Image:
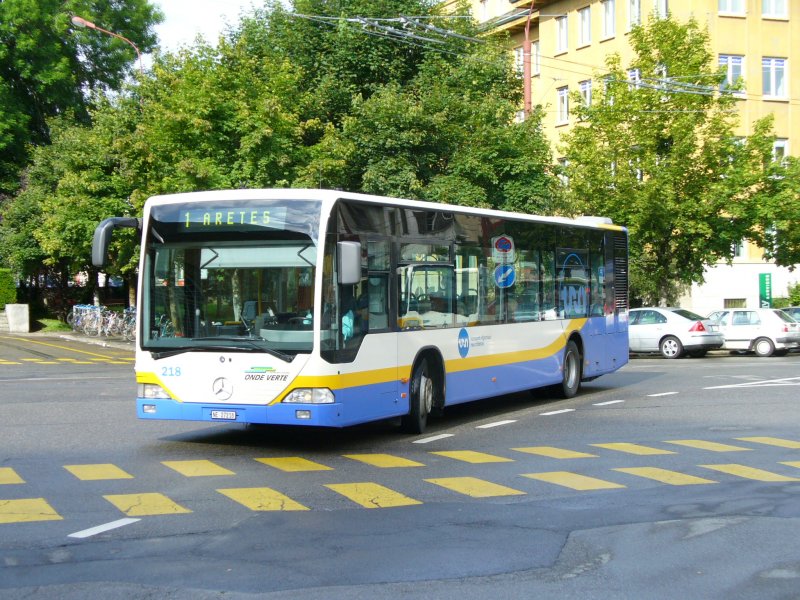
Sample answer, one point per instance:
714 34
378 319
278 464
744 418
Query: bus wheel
571 382
421 392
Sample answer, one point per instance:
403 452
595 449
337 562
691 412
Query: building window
774 9
731 7
536 57
561 34
586 92
609 18
585 21
662 9
519 117
737 250
562 114
634 13
773 72
780 150
734 303
519 60
733 69
563 163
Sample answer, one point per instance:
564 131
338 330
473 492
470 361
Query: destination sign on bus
274 217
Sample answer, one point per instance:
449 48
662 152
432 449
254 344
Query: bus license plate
227 415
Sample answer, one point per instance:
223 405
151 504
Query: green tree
49 67
659 155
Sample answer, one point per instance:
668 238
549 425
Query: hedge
8 288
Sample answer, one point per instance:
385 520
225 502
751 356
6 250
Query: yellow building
752 39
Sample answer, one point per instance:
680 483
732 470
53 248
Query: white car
672 331
765 331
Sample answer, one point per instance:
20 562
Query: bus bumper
325 415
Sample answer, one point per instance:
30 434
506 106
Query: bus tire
571 381
420 398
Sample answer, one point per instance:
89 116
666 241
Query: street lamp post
81 22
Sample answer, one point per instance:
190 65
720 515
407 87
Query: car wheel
763 347
671 347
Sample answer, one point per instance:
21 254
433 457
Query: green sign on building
765 290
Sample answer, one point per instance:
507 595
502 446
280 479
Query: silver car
765 331
673 332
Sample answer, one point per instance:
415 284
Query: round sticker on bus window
463 343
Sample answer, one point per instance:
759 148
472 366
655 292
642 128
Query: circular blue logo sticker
463 343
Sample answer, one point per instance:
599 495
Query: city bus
328 308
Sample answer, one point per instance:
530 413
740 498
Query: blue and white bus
319 307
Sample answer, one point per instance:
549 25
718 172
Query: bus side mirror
349 258
102 237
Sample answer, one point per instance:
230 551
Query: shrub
8 288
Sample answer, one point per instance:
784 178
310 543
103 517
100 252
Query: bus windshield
238 286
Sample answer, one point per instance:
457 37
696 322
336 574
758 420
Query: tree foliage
660 156
49 67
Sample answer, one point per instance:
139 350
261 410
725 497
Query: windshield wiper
252 346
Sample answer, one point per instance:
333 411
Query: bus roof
331 196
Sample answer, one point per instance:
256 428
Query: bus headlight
310 396
152 391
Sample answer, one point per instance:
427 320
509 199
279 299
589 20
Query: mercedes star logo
222 388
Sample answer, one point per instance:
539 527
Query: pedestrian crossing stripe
384 461
633 449
262 499
574 481
474 487
551 452
197 468
9 476
472 457
145 505
749 472
27 510
772 441
665 476
294 464
711 446
372 495
97 472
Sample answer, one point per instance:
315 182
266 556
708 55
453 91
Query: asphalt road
667 479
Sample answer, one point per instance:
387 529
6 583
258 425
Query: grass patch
49 326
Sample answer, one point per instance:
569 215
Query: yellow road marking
262 499
61 347
372 495
792 463
574 481
9 362
97 472
9 475
665 476
293 464
633 449
196 468
476 458
712 446
384 461
142 505
552 452
474 487
749 472
27 510
771 441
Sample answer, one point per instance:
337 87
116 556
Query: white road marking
607 403
661 394
556 412
102 528
496 424
434 438
762 383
